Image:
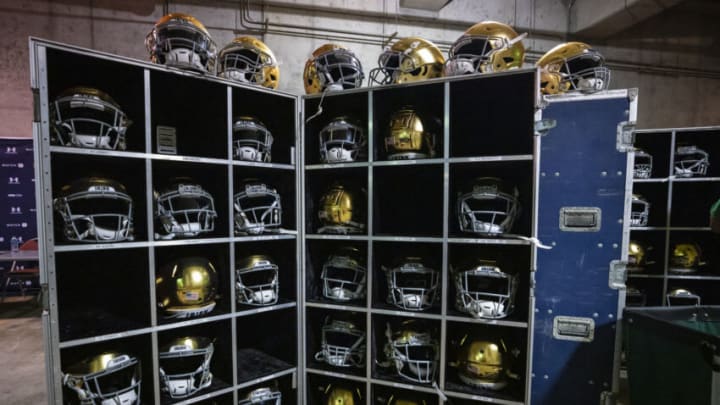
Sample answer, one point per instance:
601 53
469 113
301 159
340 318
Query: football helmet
488 207
639 211
257 208
393 400
341 140
635 297
685 258
263 396
108 378
411 285
251 140
573 67
181 41
483 363
249 60
691 161
483 290
408 136
95 210
185 366
485 47
681 297
408 60
341 395
256 281
183 209
86 117
340 211
342 344
413 351
642 167
343 275
332 67
637 256
186 287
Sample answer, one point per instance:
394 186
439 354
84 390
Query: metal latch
618 274
542 127
625 136
574 328
580 219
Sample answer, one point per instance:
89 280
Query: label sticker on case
166 138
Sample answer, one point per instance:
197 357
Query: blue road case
582 190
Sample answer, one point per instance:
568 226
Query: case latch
574 328
618 274
625 136
542 127
580 219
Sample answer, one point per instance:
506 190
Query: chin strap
535 241
320 109
440 393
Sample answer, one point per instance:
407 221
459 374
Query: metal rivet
620 221
591 382
549 311
600 245
615 245
542 174
603 173
619 173
553 243
610 316
557 174
595 314
546 376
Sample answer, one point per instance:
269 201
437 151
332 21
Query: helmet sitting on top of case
332 67
249 60
181 41
487 46
107 378
185 366
95 210
573 67
408 60
86 117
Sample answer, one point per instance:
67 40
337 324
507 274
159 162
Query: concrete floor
22 357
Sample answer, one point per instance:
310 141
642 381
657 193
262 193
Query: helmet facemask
341 141
118 382
691 161
185 210
485 292
262 396
414 355
185 370
244 65
412 286
634 297
339 69
98 214
487 210
343 279
342 344
478 54
639 211
87 121
584 73
180 43
257 209
251 141
258 285
642 167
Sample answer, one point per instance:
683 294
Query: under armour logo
13 180
15 210
10 150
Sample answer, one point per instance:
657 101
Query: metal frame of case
144 160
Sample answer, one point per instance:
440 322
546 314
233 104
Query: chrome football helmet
639 211
411 285
691 161
343 275
183 209
109 378
180 40
573 67
249 60
483 290
341 211
485 47
413 351
341 140
642 167
86 117
342 344
488 207
682 297
263 396
256 281
257 208
251 140
185 366
408 60
332 67
186 288
95 210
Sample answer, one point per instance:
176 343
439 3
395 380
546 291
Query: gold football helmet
408 60
185 366
573 67
394 400
332 67
249 60
180 40
340 395
186 287
408 136
483 363
340 211
413 351
485 47
685 258
637 256
107 378
256 280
